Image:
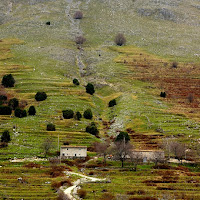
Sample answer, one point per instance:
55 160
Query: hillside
44 57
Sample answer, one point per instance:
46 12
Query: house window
67 149
63 154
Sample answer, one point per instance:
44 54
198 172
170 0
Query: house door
144 159
75 155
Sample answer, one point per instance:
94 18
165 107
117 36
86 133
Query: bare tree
190 98
122 150
102 148
120 39
158 157
78 15
47 145
178 149
80 40
136 158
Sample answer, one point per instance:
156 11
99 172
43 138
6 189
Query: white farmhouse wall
73 151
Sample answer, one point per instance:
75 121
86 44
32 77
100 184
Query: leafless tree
120 39
78 15
102 148
80 40
136 158
122 150
47 145
158 157
190 98
178 149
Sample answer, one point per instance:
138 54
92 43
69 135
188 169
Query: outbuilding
67 151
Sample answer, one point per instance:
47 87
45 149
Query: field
45 58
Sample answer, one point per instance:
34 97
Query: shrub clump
121 136
163 94
80 40
3 99
40 96
112 103
78 15
48 23
92 129
8 81
31 110
78 115
13 103
88 114
51 127
174 65
75 81
82 193
120 39
68 114
5 110
90 88
5 136
20 113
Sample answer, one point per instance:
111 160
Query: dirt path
71 192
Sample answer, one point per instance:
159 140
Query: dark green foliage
112 103
163 94
68 114
76 82
48 23
8 80
92 129
5 136
5 110
90 88
31 110
88 114
121 136
40 96
120 39
78 115
20 113
13 103
3 99
51 127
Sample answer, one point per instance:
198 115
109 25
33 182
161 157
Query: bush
5 136
13 103
3 98
48 23
88 114
78 15
163 94
78 115
40 96
8 81
92 129
112 103
20 113
81 193
5 110
174 65
31 110
51 127
120 39
122 135
80 40
90 88
68 114
76 82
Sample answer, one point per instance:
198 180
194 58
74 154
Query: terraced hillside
46 58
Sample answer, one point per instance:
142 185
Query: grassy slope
47 60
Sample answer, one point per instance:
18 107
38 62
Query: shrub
82 193
120 39
90 88
80 40
163 94
13 103
76 82
112 103
51 127
174 65
3 144
92 129
8 81
88 114
3 98
40 96
48 23
31 110
20 113
5 136
68 114
78 15
78 115
122 135
5 110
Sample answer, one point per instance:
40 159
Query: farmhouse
149 155
67 151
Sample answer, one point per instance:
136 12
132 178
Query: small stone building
149 155
67 151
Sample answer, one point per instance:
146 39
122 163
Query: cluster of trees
92 129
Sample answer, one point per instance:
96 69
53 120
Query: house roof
68 146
